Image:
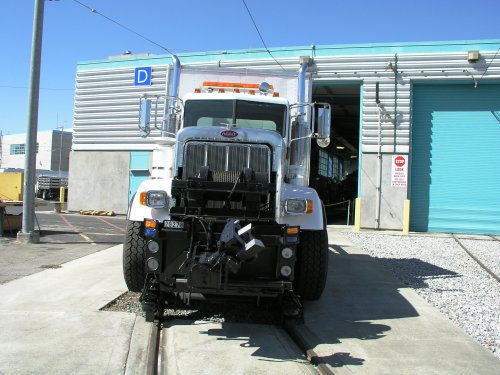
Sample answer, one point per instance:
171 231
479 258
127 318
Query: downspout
379 158
395 99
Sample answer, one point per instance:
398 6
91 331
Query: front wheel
134 257
312 264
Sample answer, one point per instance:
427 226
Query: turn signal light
150 223
292 231
142 198
310 206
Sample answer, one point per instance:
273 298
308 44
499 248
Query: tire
312 264
134 257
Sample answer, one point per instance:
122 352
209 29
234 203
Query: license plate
173 224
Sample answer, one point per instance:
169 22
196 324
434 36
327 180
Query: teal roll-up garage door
455 159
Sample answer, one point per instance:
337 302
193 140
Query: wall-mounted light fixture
473 56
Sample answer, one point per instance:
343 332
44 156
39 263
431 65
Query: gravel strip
487 251
228 312
440 271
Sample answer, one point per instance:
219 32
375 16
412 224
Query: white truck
228 211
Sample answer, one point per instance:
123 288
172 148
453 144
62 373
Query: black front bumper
192 259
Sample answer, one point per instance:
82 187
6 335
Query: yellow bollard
62 194
406 217
357 215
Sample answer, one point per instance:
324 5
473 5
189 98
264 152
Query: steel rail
153 354
481 264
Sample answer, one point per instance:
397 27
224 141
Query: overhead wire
41 88
93 10
260 35
493 59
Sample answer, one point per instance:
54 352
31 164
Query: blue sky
72 33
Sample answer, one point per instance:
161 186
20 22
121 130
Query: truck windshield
243 113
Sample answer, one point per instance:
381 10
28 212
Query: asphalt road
63 237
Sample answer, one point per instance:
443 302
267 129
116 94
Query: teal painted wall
296 51
139 170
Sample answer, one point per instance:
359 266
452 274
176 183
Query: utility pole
61 131
27 233
1 149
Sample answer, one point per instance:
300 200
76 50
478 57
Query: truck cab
231 214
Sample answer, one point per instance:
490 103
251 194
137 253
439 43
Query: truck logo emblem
229 133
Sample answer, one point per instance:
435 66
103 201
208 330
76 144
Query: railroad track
476 259
298 333
153 354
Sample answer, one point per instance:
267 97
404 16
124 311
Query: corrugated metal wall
455 155
106 101
107 109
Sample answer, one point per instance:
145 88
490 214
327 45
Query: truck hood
233 134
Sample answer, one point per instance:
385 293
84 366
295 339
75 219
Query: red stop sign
399 161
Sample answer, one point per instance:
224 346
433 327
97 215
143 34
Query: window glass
245 114
329 165
17 149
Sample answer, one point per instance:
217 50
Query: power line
41 88
93 10
260 35
496 53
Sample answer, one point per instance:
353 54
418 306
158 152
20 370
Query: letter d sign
142 76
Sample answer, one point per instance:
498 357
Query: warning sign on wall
399 171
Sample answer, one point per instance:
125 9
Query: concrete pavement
230 348
50 321
366 323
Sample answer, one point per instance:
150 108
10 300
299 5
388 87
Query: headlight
286 253
157 199
153 264
286 271
153 246
298 206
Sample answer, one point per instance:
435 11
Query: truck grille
226 160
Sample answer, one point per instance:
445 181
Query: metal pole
348 211
27 233
61 129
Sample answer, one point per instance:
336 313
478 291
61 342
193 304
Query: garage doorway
334 169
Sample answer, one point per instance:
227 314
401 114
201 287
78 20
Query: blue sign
142 76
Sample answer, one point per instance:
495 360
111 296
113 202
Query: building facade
52 152
415 127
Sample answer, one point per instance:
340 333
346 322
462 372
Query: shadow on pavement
360 292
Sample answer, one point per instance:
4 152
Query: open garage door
334 169
455 159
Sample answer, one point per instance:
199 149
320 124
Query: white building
411 122
52 156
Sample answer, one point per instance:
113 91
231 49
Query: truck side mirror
323 127
145 117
